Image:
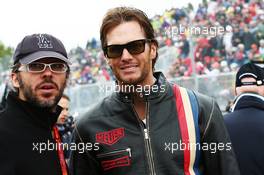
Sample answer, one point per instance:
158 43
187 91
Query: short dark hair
15 67
119 15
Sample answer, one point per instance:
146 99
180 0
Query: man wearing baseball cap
250 78
245 123
30 143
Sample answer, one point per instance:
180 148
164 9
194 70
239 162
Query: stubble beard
137 81
32 97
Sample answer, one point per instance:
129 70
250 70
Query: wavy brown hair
119 15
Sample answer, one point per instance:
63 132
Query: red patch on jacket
110 137
119 162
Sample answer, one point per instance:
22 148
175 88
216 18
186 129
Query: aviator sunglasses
133 47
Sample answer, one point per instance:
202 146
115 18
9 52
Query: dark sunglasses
133 47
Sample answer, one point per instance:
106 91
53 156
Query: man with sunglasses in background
148 124
245 122
30 142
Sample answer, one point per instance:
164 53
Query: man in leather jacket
246 119
28 144
137 130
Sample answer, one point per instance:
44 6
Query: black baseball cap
250 70
38 46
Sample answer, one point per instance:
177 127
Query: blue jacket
246 129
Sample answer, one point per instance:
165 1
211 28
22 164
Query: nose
126 55
47 72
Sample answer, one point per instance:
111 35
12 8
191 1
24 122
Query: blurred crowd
242 40
89 65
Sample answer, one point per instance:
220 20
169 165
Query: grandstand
197 47
213 52
214 55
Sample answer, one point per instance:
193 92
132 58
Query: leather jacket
120 143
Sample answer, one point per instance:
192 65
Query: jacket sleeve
217 155
81 160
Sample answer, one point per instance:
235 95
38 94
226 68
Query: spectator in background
240 55
227 38
65 123
64 103
230 55
249 38
175 70
254 52
237 37
184 47
245 123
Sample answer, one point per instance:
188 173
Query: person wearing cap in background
29 142
245 122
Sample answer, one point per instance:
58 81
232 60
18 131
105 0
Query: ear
14 79
153 51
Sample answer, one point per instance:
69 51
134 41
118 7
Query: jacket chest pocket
115 159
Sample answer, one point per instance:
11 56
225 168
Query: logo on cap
43 41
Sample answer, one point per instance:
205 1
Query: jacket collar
41 116
247 100
155 91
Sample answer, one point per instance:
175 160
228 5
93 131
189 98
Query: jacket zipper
147 140
113 153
